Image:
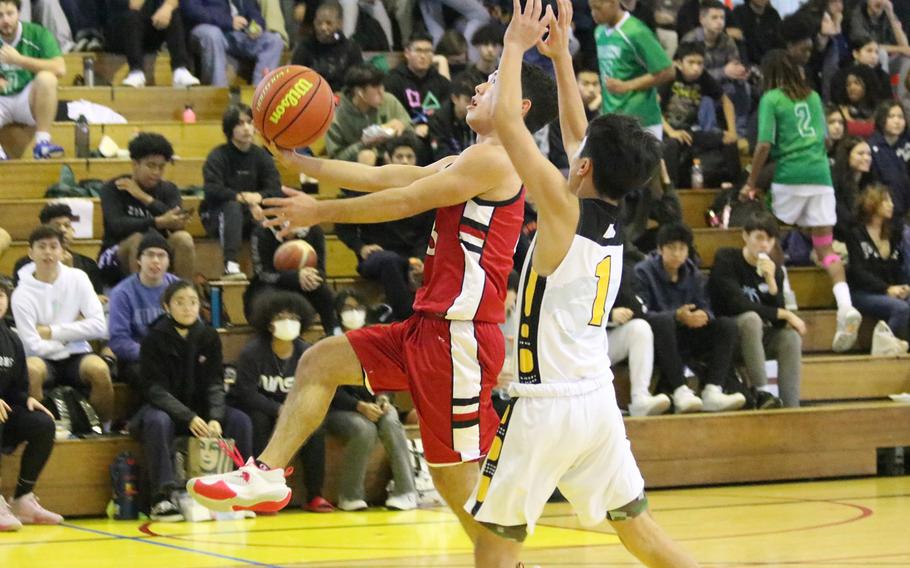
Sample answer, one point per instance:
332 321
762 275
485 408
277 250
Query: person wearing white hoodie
57 313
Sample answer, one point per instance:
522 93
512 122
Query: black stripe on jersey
465 401
599 222
471 247
475 224
492 460
465 423
531 299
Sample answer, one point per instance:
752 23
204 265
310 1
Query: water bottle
88 71
216 306
189 116
125 482
698 178
83 142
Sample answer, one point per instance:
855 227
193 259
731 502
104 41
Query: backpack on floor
74 413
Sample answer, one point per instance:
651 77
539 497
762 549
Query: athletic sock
42 136
842 296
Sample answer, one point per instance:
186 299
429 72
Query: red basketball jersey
469 257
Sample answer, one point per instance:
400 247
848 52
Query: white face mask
286 329
353 319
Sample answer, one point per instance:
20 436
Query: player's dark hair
175 287
676 232
624 156
147 144
231 118
883 110
709 5
491 34
362 75
54 210
42 232
539 88
798 27
418 36
688 48
779 71
269 304
762 221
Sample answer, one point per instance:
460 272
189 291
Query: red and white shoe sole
217 499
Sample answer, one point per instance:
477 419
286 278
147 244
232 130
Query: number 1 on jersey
603 287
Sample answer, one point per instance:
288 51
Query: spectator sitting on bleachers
830 44
673 290
132 204
876 19
57 313
855 89
417 84
629 336
311 282
472 13
30 66
219 28
136 303
391 252
451 54
488 42
852 173
50 15
722 59
358 418
449 130
891 154
135 27
866 52
688 18
22 419
589 88
760 24
364 105
237 176
60 216
689 105
85 19
745 284
327 50
265 376
837 128
876 273
181 385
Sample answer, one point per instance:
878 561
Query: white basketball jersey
563 317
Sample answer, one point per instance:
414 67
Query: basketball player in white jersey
563 427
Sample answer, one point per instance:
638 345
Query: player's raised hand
527 27
557 42
292 213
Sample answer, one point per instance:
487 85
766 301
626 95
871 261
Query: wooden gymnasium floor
857 522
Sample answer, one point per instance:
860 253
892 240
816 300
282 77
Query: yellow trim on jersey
530 288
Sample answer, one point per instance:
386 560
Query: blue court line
171 546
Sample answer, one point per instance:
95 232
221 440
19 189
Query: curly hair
269 304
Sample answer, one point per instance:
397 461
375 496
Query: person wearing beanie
237 176
136 303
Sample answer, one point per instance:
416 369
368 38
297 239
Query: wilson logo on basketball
265 88
301 88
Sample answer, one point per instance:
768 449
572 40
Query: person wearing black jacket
310 282
237 176
875 273
390 252
449 131
747 285
417 84
265 376
133 204
327 51
359 418
23 419
760 25
182 387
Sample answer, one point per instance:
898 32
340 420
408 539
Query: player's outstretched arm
355 176
476 171
558 210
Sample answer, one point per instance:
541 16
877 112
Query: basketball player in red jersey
449 353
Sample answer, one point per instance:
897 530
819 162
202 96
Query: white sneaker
352 504
183 78
848 322
8 521
405 502
715 400
246 489
232 271
134 79
884 342
685 401
649 405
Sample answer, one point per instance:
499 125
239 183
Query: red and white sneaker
246 489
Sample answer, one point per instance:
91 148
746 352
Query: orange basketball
293 106
294 255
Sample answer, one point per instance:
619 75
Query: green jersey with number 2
796 131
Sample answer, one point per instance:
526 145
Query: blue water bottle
125 484
216 306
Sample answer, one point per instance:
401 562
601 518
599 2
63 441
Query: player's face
835 126
489 53
9 19
674 255
588 86
800 51
606 11
758 242
148 171
480 110
692 66
861 158
65 226
153 263
895 124
404 155
856 89
46 252
325 25
243 131
419 56
184 306
713 21
867 54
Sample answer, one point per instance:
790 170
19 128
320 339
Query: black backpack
71 408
